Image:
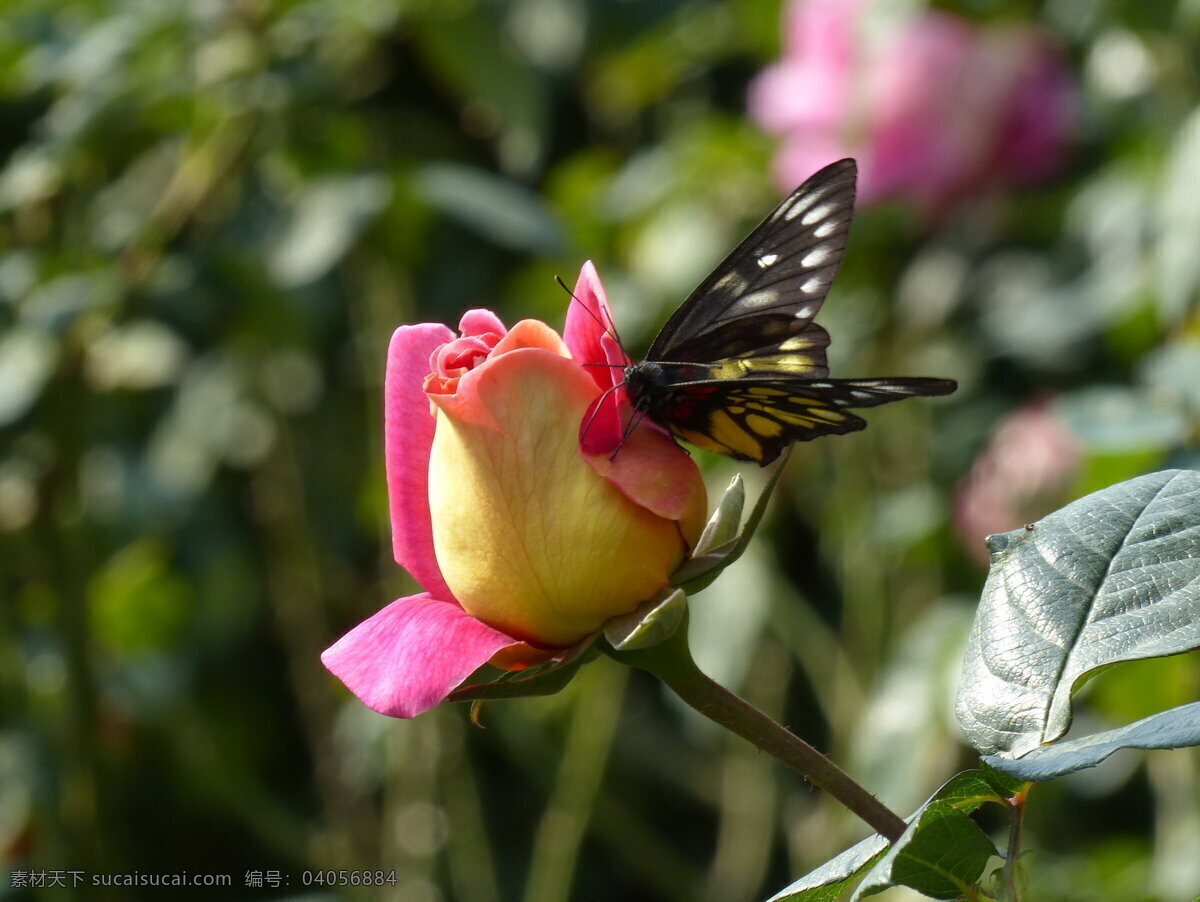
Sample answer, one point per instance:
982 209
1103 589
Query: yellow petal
529 537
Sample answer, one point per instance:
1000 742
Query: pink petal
408 435
591 337
826 29
480 321
531 539
803 154
530 333
601 430
653 471
1043 111
589 321
408 657
813 87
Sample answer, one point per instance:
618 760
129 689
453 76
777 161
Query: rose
933 107
524 540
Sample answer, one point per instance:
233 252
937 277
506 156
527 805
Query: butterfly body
674 395
740 367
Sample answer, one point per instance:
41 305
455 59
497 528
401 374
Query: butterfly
740 367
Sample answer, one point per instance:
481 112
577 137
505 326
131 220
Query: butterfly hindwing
755 419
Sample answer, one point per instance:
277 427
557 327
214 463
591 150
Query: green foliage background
212 216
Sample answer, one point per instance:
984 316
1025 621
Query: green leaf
1112 577
1113 419
901 733
651 623
1173 372
971 789
27 360
503 97
830 880
501 210
1006 786
941 854
1178 270
328 215
1177 728
937 850
137 604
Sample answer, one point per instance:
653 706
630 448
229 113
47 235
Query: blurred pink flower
1021 476
522 539
934 108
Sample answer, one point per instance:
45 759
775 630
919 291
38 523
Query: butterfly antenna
600 403
634 421
610 327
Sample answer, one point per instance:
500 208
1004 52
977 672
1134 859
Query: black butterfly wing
771 285
755 419
740 367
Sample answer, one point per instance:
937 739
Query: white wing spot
758 299
813 285
815 257
817 213
796 211
731 281
767 260
825 229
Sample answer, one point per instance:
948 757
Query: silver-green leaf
1112 577
1174 729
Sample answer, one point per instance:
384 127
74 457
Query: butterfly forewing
772 284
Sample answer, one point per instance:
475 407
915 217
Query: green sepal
703 567
725 522
543 679
651 623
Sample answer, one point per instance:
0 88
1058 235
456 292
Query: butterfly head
643 382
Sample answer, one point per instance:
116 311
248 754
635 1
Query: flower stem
1011 877
671 661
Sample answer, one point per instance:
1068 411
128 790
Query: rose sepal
541 679
720 544
653 621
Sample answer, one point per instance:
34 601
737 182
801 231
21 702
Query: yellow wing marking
790 359
761 425
700 440
726 430
810 414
